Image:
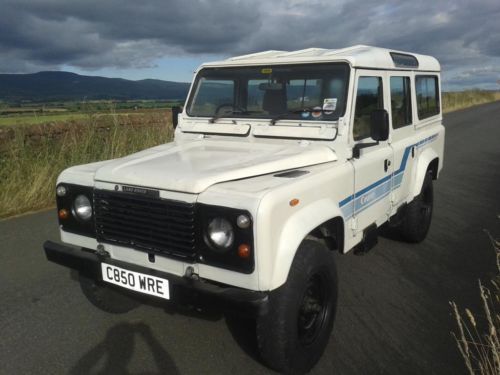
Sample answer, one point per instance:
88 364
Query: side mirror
175 115
379 131
379 125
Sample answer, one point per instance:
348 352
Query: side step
370 239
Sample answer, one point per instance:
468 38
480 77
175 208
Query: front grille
145 223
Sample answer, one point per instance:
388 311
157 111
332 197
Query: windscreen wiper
245 112
281 116
213 119
238 112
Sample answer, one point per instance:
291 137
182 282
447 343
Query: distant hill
52 86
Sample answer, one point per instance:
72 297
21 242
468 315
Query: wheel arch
331 233
428 161
433 167
321 221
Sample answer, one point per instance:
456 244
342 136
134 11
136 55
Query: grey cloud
89 34
92 34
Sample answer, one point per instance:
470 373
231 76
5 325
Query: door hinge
354 223
393 197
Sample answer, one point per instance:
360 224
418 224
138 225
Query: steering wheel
232 105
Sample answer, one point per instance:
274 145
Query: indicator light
244 251
63 214
243 221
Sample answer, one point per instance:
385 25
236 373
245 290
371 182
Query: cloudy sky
168 39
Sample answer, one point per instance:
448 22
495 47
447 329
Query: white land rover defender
279 160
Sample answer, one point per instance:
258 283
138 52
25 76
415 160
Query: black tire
418 216
293 335
105 297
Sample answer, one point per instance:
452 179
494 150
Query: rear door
373 169
402 135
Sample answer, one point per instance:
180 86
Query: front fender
294 231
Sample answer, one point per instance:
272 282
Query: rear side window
400 102
427 96
368 98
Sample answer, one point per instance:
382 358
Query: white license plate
139 282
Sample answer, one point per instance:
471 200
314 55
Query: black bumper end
182 289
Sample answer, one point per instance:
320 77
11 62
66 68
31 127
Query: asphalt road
393 317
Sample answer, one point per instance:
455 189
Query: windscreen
298 92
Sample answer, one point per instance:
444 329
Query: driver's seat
274 102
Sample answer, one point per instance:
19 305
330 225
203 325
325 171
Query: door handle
387 164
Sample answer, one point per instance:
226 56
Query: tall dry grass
453 101
29 167
478 338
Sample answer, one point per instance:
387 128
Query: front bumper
182 289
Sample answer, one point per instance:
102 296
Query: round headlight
221 233
61 191
82 207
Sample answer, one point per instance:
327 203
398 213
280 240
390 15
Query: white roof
357 56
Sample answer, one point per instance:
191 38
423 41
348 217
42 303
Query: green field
62 117
59 112
33 119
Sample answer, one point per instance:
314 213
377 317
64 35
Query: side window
368 98
400 102
427 96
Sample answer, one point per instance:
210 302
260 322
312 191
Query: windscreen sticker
305 114
317 112
329 105
266 70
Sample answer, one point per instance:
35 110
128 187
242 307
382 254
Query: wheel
418 215
106 298
296 330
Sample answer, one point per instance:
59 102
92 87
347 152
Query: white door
373 168
402 138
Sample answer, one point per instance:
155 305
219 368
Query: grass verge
29 168
453 101
478 337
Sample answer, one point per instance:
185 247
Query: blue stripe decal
345 201
372 186
404 160
373 193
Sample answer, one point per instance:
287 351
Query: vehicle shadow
244 333
116 351
242 329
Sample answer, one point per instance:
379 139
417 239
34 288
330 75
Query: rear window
427 89
400 102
